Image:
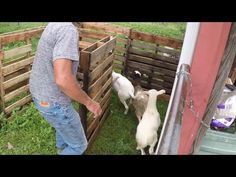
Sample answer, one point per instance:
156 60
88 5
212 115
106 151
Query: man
53 84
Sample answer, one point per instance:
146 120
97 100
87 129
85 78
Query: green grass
14 26
173 30
28 133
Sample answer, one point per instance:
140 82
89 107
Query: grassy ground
29 133
174 30
8 27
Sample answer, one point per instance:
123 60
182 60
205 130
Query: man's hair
78 24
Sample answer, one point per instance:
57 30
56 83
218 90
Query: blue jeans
70 136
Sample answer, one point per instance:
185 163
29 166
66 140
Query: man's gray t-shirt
59 40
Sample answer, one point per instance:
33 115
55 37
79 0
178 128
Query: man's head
78 24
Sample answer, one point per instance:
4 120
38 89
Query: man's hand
95 108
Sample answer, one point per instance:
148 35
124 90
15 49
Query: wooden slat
175 43
120 49
19 103
103 104
101 52
118 66
15 93
89 34
16 66
99 69
91 48
94 134
16 80
153 55
150 67
152 74
93 89
84 66
143 45
2 91
22 36
120 58
105 39
151 82
84 44
17 51
22 30
169 51
95 123
153 62
147 85
122 40
101 91
107 27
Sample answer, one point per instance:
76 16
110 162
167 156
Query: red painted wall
207 56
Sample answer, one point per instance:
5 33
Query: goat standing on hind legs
147 129
124 88
141 97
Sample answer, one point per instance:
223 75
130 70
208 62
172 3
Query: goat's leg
151 149
142 152
124 103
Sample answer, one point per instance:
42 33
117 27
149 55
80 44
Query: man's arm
68 84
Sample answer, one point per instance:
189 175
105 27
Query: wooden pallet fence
156 57
96 65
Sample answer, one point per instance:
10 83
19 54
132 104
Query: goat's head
154 92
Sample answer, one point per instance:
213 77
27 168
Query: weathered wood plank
95 132
84 66
17 51
2 91
120 49
99 69
143 45
153 55
90 34
93 89
16 80
101 52
122 40
19 103
152 61
118 66
171 42
84 44
150 67
150 73
22 36
169 51
107 27
120 58
15 93
16 66
101 91
104 105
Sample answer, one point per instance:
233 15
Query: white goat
141 97
124 88
147 129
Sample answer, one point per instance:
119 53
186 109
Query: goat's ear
161 92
